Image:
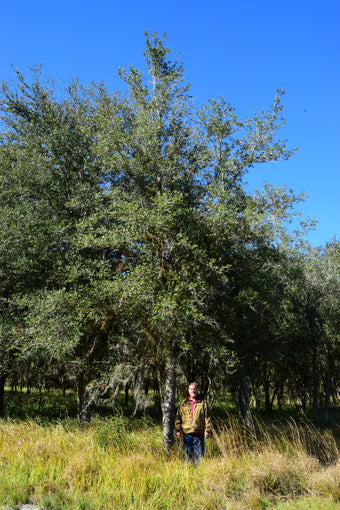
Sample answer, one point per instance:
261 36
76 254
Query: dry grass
110 465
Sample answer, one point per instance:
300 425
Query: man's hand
178 434
206 435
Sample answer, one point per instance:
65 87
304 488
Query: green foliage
131 249
44 404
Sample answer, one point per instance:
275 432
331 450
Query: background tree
50 176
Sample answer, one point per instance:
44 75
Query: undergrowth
118 463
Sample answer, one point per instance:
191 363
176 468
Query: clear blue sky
243 50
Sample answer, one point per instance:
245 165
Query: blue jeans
194 447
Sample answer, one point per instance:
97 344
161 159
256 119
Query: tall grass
118 464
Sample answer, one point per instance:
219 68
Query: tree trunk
327 396
300 400
256 396
168 407
83 405
126 394
280 395
241 398
158 406
268 404
311 319
315 383
2 392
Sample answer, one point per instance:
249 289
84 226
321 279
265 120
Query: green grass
311 503
119 463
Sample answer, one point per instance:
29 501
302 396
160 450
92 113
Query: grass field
118 463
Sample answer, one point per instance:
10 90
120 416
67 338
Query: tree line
132 256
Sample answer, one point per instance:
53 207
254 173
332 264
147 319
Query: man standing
193 420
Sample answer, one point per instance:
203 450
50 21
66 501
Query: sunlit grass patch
279 475
327 482
308 503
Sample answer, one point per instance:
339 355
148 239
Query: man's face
192 391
